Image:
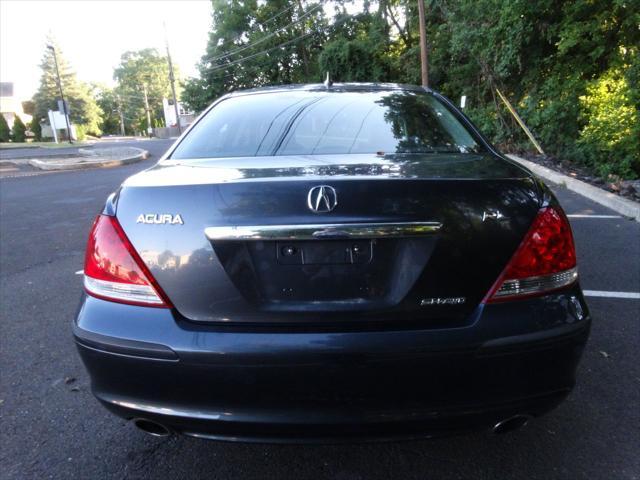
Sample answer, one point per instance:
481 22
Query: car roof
335 87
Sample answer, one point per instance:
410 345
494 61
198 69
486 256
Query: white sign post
58 121
52 122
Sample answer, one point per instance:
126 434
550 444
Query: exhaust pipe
510 424
152 428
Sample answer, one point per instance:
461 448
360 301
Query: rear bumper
266 385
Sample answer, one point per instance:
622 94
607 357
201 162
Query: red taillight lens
544 261
114 271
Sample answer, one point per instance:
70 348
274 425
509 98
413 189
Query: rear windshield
321 123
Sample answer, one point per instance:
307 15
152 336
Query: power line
135 97
211 69
281 12
140 98
278 14
284 44
243 59
263 39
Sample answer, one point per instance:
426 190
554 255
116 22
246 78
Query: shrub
5 132
609 141
36 129
81 132
18 130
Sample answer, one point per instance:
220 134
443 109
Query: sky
92 34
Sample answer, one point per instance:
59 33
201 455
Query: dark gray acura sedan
325 263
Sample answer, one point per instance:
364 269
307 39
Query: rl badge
160 218
442 301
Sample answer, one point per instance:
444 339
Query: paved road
52 427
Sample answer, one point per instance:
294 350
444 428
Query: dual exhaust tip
504 426
510 424
152 428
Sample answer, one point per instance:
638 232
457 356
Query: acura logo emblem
322 199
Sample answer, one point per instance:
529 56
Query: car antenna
328 82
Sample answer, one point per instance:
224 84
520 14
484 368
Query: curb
12 161
623 206
19 147
35 157
85 162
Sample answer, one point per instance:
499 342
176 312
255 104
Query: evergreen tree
5 132
35 128
18 130
84 110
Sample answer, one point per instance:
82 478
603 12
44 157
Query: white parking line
580 215
600 293
80 272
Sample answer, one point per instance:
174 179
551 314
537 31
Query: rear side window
241 127
321 123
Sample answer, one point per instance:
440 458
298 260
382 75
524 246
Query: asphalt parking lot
51 426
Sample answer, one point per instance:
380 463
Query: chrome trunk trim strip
323 231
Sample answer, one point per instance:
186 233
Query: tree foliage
83 109
611 125
545 56
360 48
136 70
18 130
571 69
254 44
108 102
29 107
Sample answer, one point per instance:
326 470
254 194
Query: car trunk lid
412 238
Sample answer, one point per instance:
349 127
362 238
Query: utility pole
64 104
146 106
423 44
172 80
305 57
121 116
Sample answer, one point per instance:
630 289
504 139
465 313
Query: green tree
108 103
18 130
571 69
5 131
361 48
543 54
258 43
137 70
84 110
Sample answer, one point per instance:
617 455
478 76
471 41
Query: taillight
544 261
114 271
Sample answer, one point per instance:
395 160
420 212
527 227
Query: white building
186 117
10 106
